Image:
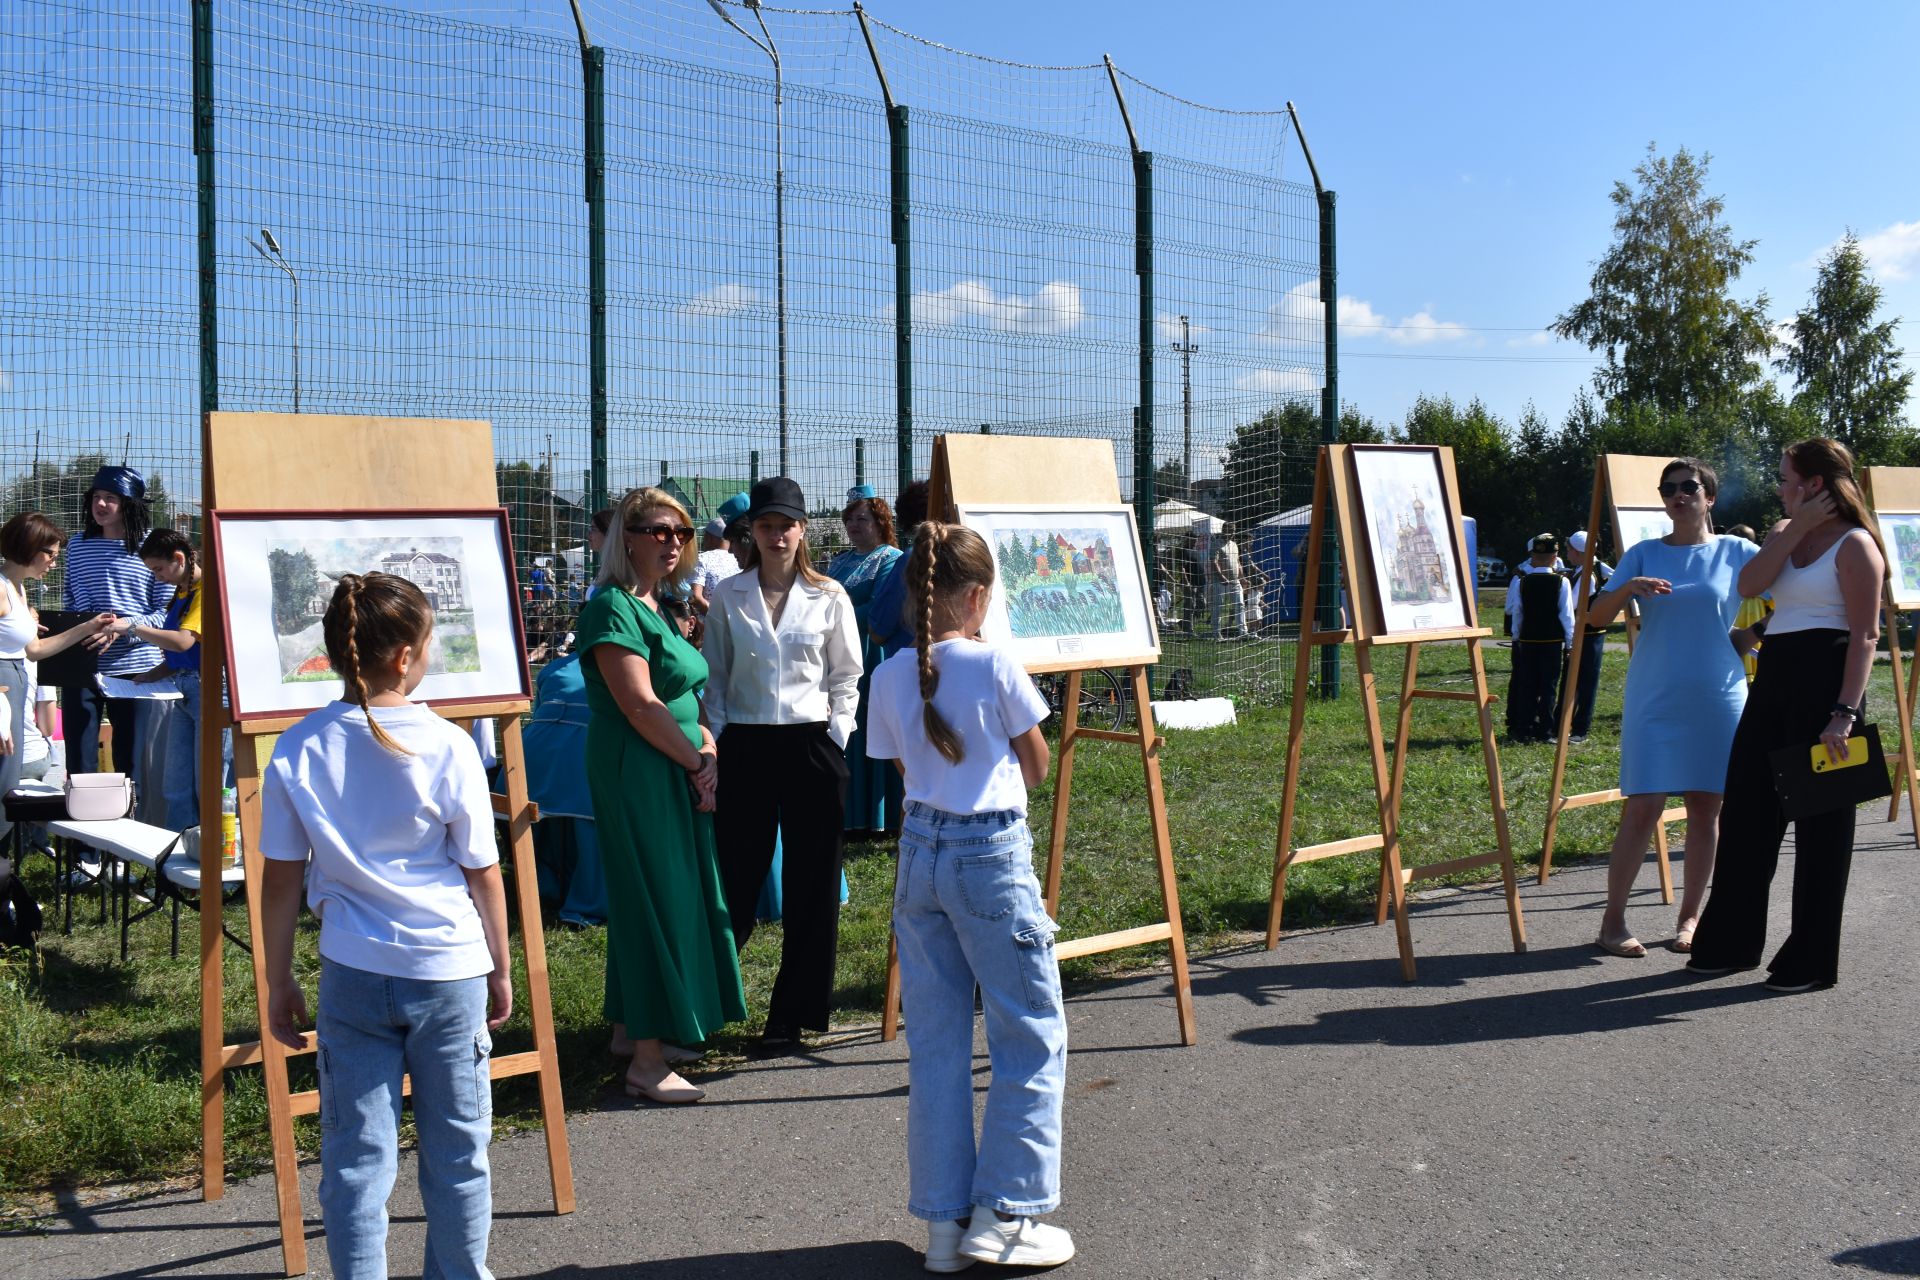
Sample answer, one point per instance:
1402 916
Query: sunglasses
1670 487
661 532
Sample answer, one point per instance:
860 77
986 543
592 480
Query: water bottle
229 827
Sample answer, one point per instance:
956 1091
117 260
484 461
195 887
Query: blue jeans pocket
988 884
323 1064
1039 970
479 1104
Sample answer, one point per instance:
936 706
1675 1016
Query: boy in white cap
1540 605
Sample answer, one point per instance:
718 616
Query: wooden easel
1637 475
1006 470
1335 492
313 461
1896 490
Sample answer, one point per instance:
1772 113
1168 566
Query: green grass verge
99 1060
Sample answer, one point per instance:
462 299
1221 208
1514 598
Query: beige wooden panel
324 461
1062 471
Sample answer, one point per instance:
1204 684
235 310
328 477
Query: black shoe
1699 970
779 1038
1792 988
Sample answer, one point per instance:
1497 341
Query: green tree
294 580
1482 458
1845 364
1659 304
1170 481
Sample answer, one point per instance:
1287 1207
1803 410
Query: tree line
1683 372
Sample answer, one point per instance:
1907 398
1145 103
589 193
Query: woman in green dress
673 977
869 527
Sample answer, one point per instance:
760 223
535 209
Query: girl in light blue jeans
961 719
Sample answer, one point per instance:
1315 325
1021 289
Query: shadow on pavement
862 1259
1894 1258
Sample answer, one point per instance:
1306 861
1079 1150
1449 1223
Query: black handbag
1809 783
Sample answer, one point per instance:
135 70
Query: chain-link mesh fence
403 228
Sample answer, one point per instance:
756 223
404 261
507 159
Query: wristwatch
1842 709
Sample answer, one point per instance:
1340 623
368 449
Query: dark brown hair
882 517
1708 480
370 619
603 520
947 561
27 535
165 544
135 519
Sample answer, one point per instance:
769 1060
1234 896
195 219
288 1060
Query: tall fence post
859 461
203 155
900 230
753 467
593 64
1329 434
1143 495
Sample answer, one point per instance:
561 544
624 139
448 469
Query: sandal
664 1092
1628 947
1683 938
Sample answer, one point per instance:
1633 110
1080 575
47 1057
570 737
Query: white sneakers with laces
943 1248
1014 1242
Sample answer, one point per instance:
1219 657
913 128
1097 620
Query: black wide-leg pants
1789 705
789 780
1536 672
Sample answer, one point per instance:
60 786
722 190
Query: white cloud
721 300
1278 381
1053 308
1894 251
1297 317
1539 338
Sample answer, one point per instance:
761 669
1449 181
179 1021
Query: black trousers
1593 649
1788 706
789 779
1536 674
81 711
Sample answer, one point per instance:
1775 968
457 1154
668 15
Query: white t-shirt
988 700
35 748
389 835
715 567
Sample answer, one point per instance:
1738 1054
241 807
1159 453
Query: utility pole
1186 348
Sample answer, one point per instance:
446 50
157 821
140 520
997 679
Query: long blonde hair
948 560
615 568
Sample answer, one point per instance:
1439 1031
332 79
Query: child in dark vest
1540 609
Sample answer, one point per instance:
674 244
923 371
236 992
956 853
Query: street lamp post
768 47
279 260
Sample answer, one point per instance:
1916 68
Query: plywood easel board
1896 491
1064 472
313 462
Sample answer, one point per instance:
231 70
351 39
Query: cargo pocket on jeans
1039 970
476 1098
323 1067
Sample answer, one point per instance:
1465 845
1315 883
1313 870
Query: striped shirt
102 576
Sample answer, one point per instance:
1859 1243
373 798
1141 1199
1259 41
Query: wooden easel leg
1903 696
1661 859
213 1090
1063 789
1397 788
890 1007
1150 743
533 943
273 1055
1583 601
1389 829
1297 712
1497 793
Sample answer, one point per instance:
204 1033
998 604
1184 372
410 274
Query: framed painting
277 572
1408 518
1637 524
1071 585
1900 532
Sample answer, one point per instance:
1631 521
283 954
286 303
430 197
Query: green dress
672 972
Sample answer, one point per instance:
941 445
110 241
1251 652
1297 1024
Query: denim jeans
372 1029
967 912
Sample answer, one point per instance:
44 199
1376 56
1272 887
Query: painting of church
1420 572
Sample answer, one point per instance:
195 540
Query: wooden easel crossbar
261 461
1334 495
1007 469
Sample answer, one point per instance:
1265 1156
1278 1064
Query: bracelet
1842 709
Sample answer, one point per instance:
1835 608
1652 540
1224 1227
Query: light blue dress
1686 686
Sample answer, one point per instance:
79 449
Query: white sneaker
1016 1242
943 1248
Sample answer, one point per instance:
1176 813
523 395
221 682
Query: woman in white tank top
1825 567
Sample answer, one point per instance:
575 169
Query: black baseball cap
1543 542
776 496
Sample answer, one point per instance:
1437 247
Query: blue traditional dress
867 791
1686 686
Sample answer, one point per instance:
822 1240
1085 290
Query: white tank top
1809 599
18 626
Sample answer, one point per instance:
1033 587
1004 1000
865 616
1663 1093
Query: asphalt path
1557 1113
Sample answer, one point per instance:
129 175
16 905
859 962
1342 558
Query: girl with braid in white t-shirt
962 720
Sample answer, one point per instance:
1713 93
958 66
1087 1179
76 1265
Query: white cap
1578 541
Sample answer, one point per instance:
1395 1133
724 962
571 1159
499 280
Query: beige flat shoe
670 1090
1628 948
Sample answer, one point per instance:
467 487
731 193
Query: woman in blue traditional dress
869 526
1686 687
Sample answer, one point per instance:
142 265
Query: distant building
437 575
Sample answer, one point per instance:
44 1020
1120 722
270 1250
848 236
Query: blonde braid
927 542
350 592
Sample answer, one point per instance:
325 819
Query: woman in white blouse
784 654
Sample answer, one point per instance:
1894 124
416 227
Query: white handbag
99 797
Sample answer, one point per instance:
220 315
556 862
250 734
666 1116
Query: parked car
1490 569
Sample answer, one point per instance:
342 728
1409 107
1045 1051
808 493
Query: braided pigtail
384 614
921 578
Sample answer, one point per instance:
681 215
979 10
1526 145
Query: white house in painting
437 575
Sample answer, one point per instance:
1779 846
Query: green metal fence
645 259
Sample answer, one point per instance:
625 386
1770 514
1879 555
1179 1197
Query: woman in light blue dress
1686 687
869 526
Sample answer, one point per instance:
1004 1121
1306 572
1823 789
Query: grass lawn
99 1060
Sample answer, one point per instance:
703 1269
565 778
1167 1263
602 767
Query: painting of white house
280 573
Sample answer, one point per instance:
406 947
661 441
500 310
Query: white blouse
803 671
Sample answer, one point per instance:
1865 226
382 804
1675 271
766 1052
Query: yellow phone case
1856 754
